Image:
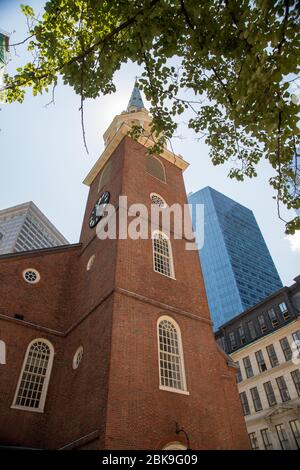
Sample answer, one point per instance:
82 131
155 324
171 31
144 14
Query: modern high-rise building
24 227
237 266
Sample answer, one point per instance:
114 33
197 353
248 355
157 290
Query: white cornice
118 137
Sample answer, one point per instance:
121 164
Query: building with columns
108 343
264 342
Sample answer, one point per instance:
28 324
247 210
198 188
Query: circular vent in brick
31 275
158 200
90 262
77 357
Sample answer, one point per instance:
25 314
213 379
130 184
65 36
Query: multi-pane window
253 441
170 355
256 399
296 379
284 310
239 377
284 392
296 338
34 378
245 404
272 355
286 349
270 393
295 428
232 340
262 323
273 317
162 256
248 367
241 333
282 436
251 329
265 434
260 361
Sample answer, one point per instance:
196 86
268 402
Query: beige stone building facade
271 397
264 342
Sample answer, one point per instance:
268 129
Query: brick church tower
108 343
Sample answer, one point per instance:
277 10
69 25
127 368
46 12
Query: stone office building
264 342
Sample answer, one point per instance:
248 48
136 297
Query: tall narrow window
265 434
295 428
239 377
34 378
284 310
162 254
155 168
286 349
296 379
273 317
262 323
260 361
252 329
232 340
253 441
270 393
296 338
272 355
256 399
245 403
282 436
242 334
284 392
171 368
248 367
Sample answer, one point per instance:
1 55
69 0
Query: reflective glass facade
25 227
237 266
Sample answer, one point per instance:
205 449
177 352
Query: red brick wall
115 389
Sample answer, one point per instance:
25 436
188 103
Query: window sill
173 278
173 390
24 408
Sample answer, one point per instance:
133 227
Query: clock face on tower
99 208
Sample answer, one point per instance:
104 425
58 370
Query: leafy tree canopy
239 57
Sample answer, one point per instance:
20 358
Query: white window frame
176 445
171 260
38 276
2 352
184 390
77 358
40 409
160 197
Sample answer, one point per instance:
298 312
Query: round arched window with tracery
158 200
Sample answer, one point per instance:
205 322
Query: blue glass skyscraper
237 266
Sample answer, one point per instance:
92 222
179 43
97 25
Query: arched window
155 168
171 366
34 378
162 254
104 175
174 446
2 352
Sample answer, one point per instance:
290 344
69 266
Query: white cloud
294 241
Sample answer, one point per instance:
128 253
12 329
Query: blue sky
43 158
